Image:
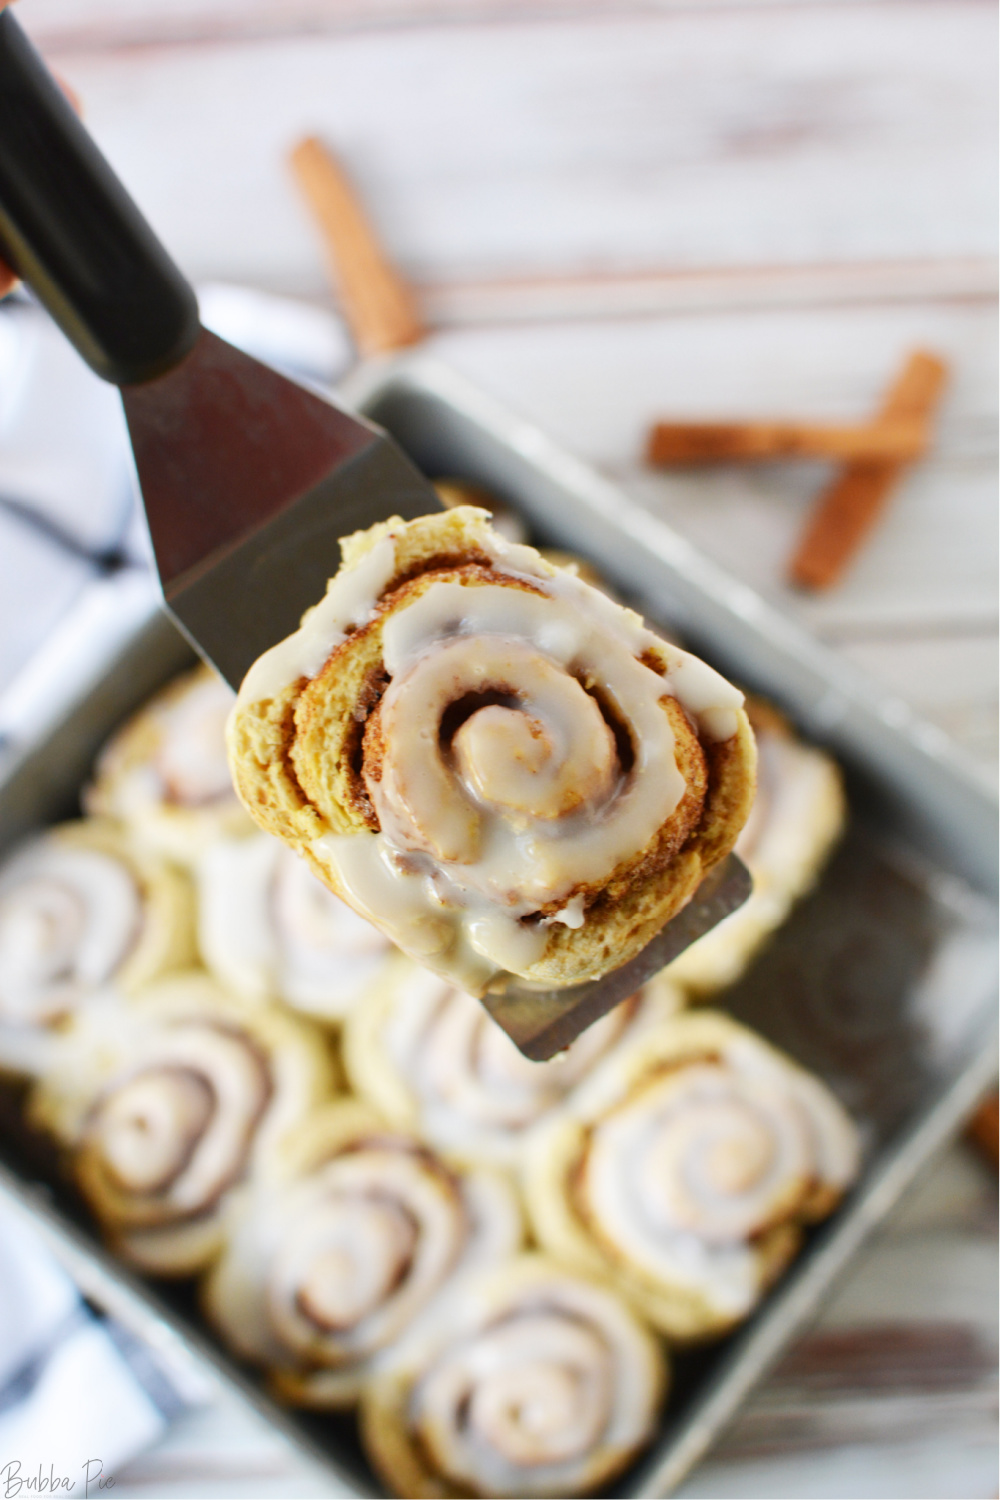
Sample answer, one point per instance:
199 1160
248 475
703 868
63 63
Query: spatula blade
249 481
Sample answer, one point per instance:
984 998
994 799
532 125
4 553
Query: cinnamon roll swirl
431 1057
80 909
797 816
169 1102
488 758
331 1263
538 1381
270 930
686 1168
165 774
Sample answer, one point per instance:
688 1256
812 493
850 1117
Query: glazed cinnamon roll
538 1381
270 930
165 774
331 1263
79 909
686 1168
501 768
431 1057
169 1102
796 819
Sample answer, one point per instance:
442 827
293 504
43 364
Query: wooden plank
946 1467
669 142
630 294
596 387
219 1450
124 23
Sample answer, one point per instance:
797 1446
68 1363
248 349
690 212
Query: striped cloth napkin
79 1394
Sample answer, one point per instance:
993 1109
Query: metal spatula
247 478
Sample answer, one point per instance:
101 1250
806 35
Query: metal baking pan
883 981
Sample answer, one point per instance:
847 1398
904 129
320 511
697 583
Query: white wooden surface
614 211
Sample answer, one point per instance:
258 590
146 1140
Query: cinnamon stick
377 303
983 1130
730 442
847 510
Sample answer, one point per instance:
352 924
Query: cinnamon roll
488 758
538 1381
169 1102
331 1263
270 930
796 819
685 1169
431 1057
79 909
455 492
165 774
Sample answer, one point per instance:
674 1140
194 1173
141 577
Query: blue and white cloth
80 1394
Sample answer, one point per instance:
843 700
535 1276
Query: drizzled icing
325 1269
166 1138
525 799
188 767
796 816
166 775
367 1241
68 918
475 1093
191 761
542 1384
349 600
269 928
687 1165
796 800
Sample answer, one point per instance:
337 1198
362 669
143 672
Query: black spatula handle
70 230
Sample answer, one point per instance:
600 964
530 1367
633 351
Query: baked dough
431 1057
490 759
797 817
685 1169
348 1250
81 908
537 1381
165 775
270 930
169 1100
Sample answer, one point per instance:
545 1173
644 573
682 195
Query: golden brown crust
135 784
425 1439
688 1298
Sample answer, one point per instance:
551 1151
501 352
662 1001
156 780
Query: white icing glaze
328 1271
475 1091
190 763
542 1385
367 1241
268 928
68 918
796 816
196 1096
527 801
350 599
794 783
689 1167
417 923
